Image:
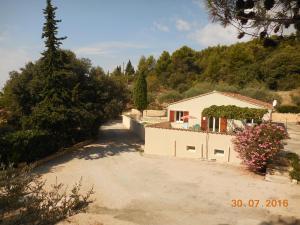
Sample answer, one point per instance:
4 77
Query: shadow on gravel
112 140
282 221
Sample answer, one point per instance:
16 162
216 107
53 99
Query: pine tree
129 71
140 92
52 42
257 18
117 71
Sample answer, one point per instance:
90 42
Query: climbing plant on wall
234 112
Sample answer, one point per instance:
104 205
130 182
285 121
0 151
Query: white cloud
183 25
12 59
200 3
106 48
215 34
3 36
161 27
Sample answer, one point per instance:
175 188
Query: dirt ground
132 188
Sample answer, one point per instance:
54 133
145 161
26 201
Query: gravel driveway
149 190
293 144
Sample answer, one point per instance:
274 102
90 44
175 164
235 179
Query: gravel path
150 190
293 144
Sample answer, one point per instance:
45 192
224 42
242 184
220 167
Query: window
190 148
219 152
179 114
211 123
217 124
214 124
249 121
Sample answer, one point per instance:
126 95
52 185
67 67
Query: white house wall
196 105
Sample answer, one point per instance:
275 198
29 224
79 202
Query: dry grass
286 96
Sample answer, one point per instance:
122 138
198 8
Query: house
192 108
213 140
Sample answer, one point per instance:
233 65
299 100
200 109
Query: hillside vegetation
248 68
242 65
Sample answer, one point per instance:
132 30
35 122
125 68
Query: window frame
214 124
178 113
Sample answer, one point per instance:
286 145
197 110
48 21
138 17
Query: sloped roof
233 95
248 99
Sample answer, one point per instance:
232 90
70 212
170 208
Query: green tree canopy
241 65
51 57
117 71
59 97
129 70
258 18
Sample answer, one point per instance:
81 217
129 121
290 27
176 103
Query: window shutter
223 127
172 116
186 113
204 123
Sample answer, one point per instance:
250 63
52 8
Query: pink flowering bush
259 144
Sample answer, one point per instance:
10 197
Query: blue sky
109 32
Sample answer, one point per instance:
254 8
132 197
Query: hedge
288 109
295 163
26 146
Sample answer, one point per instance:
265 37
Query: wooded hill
248 68
242 65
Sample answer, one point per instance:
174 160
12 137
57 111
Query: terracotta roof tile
233 95
248 99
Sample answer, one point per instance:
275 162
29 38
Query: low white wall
174 142
136 112
285 117
134 126
155 113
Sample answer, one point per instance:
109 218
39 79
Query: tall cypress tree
52 42
140 92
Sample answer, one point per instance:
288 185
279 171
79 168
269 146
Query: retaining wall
134 126
285 117
190 144
155 113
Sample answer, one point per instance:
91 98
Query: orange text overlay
255 203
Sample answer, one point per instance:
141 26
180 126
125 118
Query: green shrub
194 91
260 94
25 200
169 97
226 88
296 99
198 89
27 146
295 163
288 109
